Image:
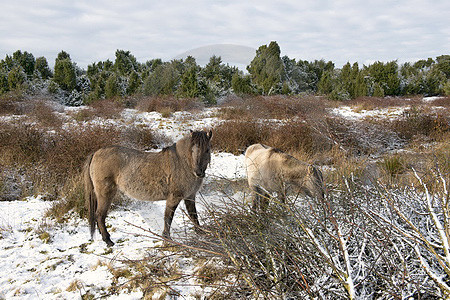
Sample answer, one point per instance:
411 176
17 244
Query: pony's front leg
192 212
171 205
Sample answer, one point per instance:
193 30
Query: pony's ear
209 134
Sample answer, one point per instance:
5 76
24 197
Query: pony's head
201 151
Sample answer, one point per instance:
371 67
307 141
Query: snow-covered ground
43 259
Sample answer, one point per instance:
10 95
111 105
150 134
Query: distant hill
234 55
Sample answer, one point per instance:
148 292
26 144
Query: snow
40 258
33 268
350 113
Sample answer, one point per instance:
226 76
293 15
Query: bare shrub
107 108
21 144
9 104
236 135
442 101
274 107
142 138
362 138
414 122
167 104
69 148
310 248
44 114
371 103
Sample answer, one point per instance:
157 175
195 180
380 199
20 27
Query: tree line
269 73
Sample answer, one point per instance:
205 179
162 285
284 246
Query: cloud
340 31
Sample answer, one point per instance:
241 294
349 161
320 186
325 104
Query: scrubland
381 232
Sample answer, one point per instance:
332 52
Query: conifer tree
65 73
267 69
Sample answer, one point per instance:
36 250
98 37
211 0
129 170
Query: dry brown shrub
371 103
414 123
442 101
274 107
167 104
9 105
107 108
21 144
142 138
71 147
236 135
44 114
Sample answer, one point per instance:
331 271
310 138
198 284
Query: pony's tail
89 195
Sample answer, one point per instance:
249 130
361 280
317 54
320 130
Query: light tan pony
173 174
270 170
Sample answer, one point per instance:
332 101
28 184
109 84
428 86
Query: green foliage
189 84
16 78
4 86
125 63
386 76
43 68
26 61
134 83
267 69
443 64
65 75
447 88
163 81
269 74
326 83
112 86
241 84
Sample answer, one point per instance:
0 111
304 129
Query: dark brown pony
173 174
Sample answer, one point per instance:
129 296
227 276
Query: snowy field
41 259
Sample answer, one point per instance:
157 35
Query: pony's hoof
109 243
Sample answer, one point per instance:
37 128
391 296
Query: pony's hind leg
104 202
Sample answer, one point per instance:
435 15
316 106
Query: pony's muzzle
200 174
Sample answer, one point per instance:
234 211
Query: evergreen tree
267 69
325 85
241 84
4 86
164 80
386 76
189 84
16 78
125 63
26 61
443 64
65 73
43 68
112 86
134 83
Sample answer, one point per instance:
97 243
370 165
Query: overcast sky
340 31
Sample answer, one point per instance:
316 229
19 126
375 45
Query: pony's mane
200 138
